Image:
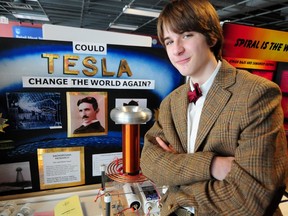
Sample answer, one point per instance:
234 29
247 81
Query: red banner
254 43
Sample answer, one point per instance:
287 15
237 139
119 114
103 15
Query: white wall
64 33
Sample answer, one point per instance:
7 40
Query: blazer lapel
179 107
216 100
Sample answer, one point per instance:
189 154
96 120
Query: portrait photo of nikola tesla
87 113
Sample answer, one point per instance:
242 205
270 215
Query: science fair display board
40 86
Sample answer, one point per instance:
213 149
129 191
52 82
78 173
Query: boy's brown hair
193 15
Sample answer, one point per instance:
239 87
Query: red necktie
195 94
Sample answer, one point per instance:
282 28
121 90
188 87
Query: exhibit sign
61 167
253 47
27 32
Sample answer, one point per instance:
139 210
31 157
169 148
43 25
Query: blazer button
170 206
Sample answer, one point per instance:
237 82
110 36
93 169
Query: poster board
37 76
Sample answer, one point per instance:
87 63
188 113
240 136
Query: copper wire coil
115 172
131 148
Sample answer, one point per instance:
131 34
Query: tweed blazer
241 117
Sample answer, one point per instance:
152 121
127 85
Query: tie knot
194 95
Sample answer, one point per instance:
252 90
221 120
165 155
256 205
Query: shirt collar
206 86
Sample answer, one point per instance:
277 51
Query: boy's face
87 113
188 52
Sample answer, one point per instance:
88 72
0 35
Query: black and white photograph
15 176
34 110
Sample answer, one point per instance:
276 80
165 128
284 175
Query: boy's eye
187 35
168 42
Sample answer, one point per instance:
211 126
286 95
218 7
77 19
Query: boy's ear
213 42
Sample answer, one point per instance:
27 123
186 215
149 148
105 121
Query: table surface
91 197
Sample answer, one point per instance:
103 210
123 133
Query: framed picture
87 114
61 167
34 110
15 176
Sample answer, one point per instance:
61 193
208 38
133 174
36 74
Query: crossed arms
220 165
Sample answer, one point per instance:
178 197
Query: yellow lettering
50 58
90 68
86 63
104 69
124 68
68 64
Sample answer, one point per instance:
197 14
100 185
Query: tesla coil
127 169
